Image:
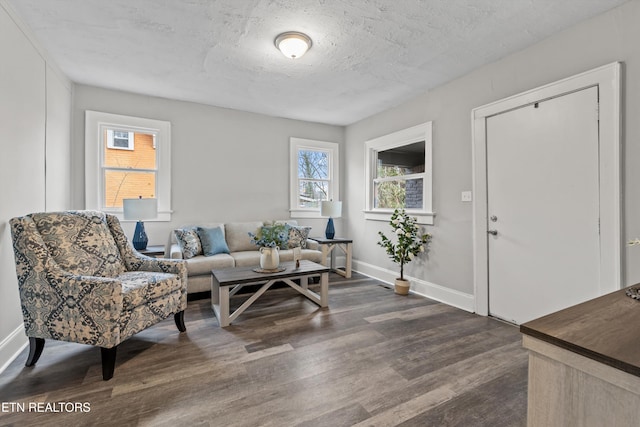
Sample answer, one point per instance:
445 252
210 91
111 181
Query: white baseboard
12 346
420 287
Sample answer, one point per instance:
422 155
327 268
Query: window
399 175
127 157
314 175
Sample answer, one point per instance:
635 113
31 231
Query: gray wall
607 38
227 165
35 111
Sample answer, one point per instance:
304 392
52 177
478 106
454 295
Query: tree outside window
313 177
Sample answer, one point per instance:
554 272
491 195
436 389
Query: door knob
493 218
493 232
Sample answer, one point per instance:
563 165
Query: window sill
294 213
425 218
162 217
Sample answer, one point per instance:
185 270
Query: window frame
96 124
332 148
418 133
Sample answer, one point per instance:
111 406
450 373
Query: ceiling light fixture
293 44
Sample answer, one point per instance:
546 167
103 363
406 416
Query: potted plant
409 243
270 240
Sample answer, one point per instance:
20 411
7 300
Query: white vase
269 258
402 287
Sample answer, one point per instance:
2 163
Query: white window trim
111 137
95 125
421 132
296 144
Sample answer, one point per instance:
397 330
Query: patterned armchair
81 281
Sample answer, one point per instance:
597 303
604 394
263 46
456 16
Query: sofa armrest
160 265
313 245
94 302
135 261
175 252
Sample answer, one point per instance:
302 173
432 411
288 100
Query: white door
543 204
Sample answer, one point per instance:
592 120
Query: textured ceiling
367 55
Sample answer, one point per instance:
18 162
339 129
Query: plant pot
402 287
269 258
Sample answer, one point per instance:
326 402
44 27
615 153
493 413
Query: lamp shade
140 209
293 44
331 209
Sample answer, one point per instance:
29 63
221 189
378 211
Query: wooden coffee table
227 282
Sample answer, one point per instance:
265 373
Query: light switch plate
466 196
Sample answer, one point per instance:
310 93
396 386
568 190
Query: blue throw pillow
212 241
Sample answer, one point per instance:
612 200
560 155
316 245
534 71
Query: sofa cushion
212 240
80 242
202 265
247 258
298 236
189 242
252 258
312 255
308 254
237 235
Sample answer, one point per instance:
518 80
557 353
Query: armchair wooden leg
179 319
108 362
36 345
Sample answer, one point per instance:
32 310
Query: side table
328 245
153 251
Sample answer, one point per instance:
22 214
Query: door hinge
598 111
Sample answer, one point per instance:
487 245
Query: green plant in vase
271 236
270 239
409 242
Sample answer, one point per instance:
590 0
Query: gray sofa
242 252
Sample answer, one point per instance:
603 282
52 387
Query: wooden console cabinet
584 364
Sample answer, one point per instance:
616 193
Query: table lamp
139 209
332 210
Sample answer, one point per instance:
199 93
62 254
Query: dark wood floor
372 358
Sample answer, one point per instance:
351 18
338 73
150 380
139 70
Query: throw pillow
189 242
212 240
298 236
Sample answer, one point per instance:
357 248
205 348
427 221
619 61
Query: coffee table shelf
228 281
